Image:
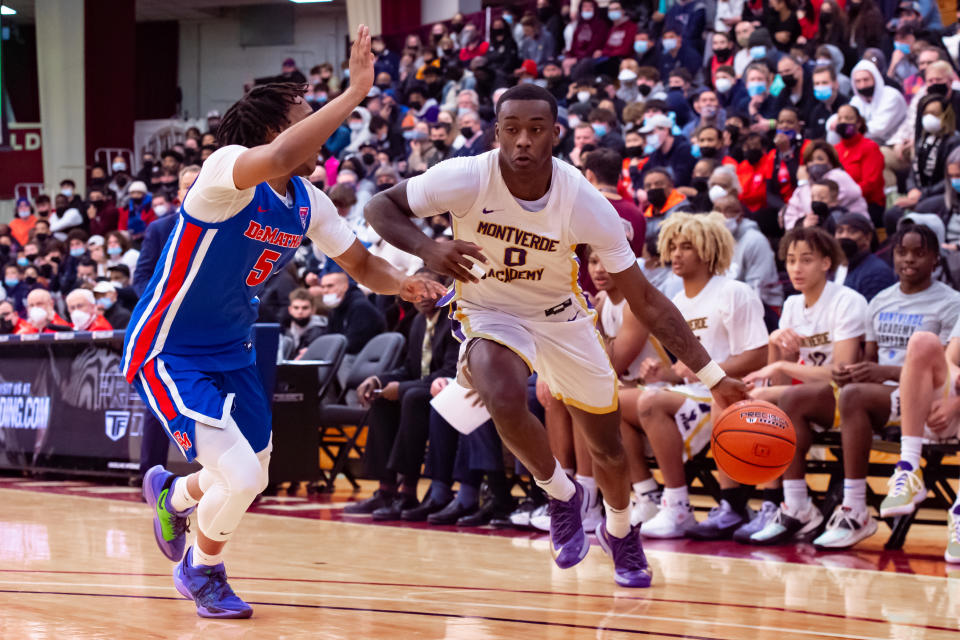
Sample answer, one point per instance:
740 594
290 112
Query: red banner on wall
22 162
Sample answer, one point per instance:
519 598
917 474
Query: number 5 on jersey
261 270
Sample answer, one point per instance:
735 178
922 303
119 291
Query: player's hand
787 340
450 259
865 372
361 62
391 391
419 288
760 376
728 391
651 370
438 385
365 390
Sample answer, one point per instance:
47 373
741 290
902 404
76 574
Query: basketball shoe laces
633 556
902 481
171 523
216 589
564 516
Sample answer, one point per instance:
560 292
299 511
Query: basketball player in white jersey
821 329
519 213
727 318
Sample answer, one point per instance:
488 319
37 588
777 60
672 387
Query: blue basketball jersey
201 302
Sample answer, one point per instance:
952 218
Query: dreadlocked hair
262 111
708 234
928 237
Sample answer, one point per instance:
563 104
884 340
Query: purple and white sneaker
208 588
629 562
169 526
568 542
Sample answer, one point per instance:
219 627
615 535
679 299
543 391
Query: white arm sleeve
328 231
214 196
452 185
595 222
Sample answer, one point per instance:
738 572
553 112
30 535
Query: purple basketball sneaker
169 526
208 588
568 542
629 562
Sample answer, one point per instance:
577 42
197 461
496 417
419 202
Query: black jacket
154 240
446 351
357 319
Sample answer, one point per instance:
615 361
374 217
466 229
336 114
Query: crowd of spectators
781 115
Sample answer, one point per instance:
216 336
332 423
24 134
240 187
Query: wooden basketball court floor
78 560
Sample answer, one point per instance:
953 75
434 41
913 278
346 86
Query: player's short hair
831 186
605 164
528 92
261 111
649 73
817 239
928 237
301 293
826 68
708 234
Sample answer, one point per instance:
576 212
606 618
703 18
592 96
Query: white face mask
37 316
931 123
583 96
332 300
627 76
716 192
23 213
80 319
730 224
161 209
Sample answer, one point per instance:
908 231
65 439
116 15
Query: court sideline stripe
707 603
433 614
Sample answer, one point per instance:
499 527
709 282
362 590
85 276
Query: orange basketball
753 441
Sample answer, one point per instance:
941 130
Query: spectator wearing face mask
677 53
15 287
761 49
589 36
472 44
723 54
882 106
666 150
119 251
138 213
780 19
503 52
863 272
10 322
106 299
83 311
828 100
604 124
41 316
21 226
621 35
707 113
119 179
821 162
68 188
729 90
302 324
861 159
663 199
645 50
471 131
102 213
351 314
761 105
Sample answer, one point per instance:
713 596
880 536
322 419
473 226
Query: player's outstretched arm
301 142
380 276
666 323
389 214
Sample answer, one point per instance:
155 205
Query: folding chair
379 355
327 353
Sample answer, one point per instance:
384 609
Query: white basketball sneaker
672 521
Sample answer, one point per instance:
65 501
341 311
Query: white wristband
711 374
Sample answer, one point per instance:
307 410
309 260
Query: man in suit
399 416
155 445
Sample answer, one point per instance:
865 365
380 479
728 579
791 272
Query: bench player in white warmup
520 213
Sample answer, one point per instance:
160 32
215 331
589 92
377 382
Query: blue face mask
599 129
790 133
614 15
669 44
22 262
586 15
902 47
955 183
11 282
695 151
756 88
114 251
641 46
823 93
106 303
758 52
508 18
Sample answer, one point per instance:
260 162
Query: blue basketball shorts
181 396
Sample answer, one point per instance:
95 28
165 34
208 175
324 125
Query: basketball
753 441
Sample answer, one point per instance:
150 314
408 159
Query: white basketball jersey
839 314
532 269
611 319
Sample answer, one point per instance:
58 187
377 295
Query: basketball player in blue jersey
519 213
188 348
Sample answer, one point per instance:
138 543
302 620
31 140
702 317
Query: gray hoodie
753 263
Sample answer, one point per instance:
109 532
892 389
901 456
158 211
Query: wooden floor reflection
83 567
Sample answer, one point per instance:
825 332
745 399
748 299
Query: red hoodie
862 159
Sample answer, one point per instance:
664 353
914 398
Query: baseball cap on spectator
137 186
289 62
374 92
121 268
909 5
213 113
930 220
551 63
21 201
656 121
104 286
528 67
95 241
856 221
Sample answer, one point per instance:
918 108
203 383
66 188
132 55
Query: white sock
644 486
618 520
911 448
180 498
676 496
588 483
559 486
204 559
855 493
795 494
